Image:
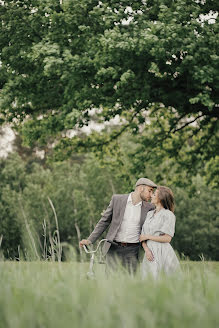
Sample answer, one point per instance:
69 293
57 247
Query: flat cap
146 182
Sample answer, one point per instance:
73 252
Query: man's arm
101 225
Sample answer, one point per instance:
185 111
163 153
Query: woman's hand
144 237
149 254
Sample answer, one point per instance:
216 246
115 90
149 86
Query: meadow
52 294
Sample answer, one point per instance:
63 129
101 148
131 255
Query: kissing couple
135 222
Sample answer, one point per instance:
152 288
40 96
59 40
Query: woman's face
155 198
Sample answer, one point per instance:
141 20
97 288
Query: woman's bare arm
161 239
148 252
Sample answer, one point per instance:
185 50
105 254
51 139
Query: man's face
155 198
146 193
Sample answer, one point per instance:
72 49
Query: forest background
145 77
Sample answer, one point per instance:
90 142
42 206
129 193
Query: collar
130 201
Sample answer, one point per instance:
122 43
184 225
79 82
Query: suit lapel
144 210
122 208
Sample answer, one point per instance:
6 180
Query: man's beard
146 199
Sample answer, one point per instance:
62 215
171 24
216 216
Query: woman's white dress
165 259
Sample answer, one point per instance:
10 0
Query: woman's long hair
166 197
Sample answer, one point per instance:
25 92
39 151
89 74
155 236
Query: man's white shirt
129 230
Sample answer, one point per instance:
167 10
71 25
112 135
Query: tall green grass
42 294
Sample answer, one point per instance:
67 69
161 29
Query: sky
6 140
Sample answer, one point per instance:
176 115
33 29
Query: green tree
11 183
197 222
79 193
61 62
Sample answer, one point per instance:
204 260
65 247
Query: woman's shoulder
168 214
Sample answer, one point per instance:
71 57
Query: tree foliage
144 62
80 192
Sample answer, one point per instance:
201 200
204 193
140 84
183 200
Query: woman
157 233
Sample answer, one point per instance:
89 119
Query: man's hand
143 237
84 242
149 254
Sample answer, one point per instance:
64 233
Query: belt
126 244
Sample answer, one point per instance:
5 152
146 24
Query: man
125 216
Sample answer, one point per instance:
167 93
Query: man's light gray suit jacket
113 217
